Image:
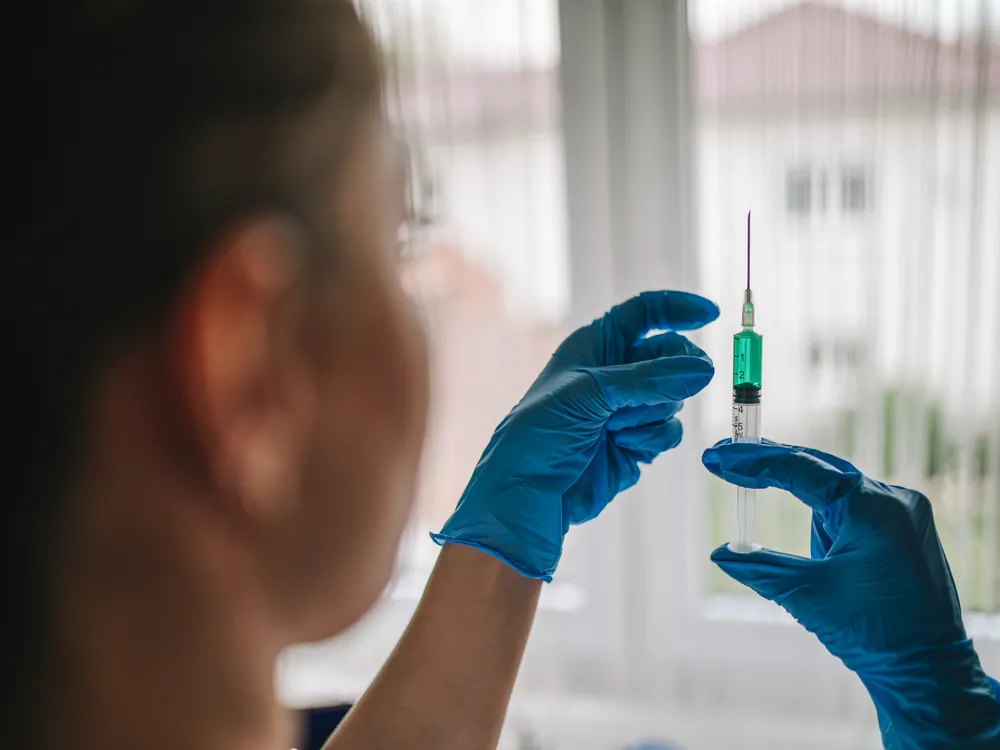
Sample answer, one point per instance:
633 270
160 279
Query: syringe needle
748 250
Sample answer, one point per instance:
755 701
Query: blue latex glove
877 591
606 402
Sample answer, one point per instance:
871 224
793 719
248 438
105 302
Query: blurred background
565 155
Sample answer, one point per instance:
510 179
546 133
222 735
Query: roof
818 52
806 53
465 99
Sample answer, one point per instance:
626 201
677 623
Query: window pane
798 192
853 191
859 319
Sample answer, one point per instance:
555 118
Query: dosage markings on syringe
737 421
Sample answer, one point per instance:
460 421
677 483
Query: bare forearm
449 679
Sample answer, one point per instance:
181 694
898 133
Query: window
815 356
799 189
830 368
798 192
637 610
854 191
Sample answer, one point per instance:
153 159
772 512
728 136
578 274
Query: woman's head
217 382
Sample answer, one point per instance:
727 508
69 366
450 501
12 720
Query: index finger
664 310
667 344
804 472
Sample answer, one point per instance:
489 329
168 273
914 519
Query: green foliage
890 401
940 448
981 456
847 431
936 450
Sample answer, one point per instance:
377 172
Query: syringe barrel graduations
747 366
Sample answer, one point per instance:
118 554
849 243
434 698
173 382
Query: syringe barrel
746 421
746 429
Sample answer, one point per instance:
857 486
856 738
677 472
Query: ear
242 374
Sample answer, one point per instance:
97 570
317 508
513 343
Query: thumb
773 575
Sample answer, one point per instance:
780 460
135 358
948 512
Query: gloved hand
606 402
877 592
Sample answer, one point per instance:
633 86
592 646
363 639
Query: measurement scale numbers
738 422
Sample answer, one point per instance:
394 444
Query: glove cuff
443 539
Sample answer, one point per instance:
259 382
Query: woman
220 392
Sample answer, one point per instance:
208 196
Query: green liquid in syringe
747 359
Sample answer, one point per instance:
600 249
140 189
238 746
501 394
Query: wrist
446 540
481 573
937 700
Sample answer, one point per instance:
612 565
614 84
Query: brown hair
135 130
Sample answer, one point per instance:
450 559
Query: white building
871 158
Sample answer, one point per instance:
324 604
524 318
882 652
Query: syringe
747 348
